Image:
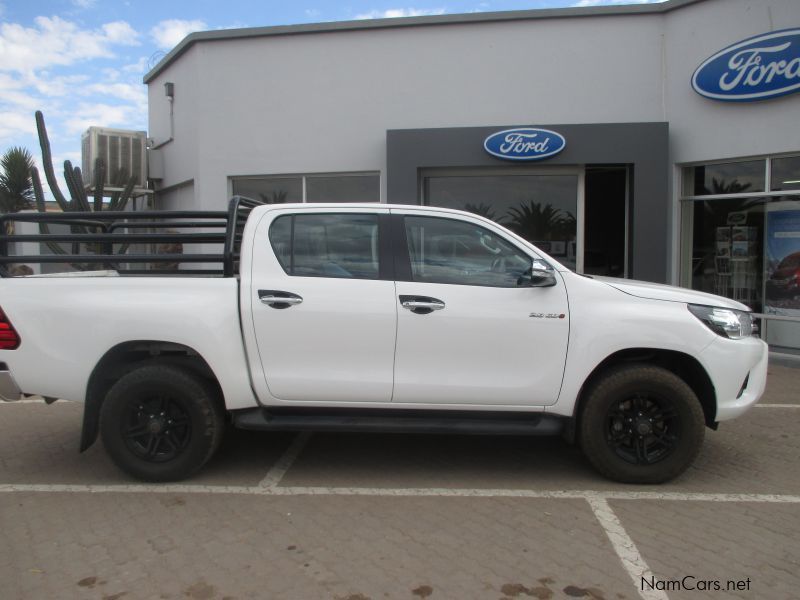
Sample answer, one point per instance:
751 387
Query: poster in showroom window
782 271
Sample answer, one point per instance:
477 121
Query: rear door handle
421 305
278 298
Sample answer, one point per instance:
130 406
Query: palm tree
536 222
16 188
483 210
276 197
720 186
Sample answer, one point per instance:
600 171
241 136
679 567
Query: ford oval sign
765 66
525 143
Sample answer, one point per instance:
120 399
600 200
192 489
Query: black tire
641 424
161 423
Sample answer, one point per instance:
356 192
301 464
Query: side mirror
542 274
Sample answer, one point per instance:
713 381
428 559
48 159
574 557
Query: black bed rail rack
133 243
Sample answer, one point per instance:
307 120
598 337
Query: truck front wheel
641 424
161 423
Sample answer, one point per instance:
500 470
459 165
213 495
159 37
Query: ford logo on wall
525 143
765 66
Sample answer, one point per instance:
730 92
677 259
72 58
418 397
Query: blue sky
81 62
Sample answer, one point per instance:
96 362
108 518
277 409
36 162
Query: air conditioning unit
123 152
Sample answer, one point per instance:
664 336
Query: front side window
327 245
457 252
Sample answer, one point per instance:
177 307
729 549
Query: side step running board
531 424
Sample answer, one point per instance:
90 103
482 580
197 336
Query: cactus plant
78 200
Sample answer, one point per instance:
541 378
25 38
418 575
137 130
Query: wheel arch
685 366
127 356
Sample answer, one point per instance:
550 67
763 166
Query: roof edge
425 21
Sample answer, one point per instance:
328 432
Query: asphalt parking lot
356 517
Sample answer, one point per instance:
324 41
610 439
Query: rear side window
327 245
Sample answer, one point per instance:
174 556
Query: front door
470 331
323 306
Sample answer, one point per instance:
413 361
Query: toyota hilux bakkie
366 317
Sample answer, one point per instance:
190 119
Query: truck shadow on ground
39 445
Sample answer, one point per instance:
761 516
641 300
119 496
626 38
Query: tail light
9 338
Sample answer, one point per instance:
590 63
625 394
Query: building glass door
577 215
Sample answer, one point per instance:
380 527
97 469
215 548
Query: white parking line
279 469
625 548
260 490
22 401
623 545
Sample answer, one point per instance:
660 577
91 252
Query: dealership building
658 141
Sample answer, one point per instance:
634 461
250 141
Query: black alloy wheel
643 429
161 422
157 428
640 423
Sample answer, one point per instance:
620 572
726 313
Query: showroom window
323 187
741 237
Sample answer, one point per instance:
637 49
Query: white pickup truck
375 317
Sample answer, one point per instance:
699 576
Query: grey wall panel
643 145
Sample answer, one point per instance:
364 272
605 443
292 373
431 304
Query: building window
328 187
725 178
785 174
741 237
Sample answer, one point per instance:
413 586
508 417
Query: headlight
729 323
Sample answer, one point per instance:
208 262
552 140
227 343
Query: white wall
182 157
322 102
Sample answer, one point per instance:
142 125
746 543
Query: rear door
470 331
323 305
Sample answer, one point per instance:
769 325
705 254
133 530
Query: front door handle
278 299
421 305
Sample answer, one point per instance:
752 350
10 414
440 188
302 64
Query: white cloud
393 13
167 34
64 69
140 66
84 3
16 123
120 32
136 93
54 41
104 115
40 70
312 12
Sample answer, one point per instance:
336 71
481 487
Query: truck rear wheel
161 423
641 424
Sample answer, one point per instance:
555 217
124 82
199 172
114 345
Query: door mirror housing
541 274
